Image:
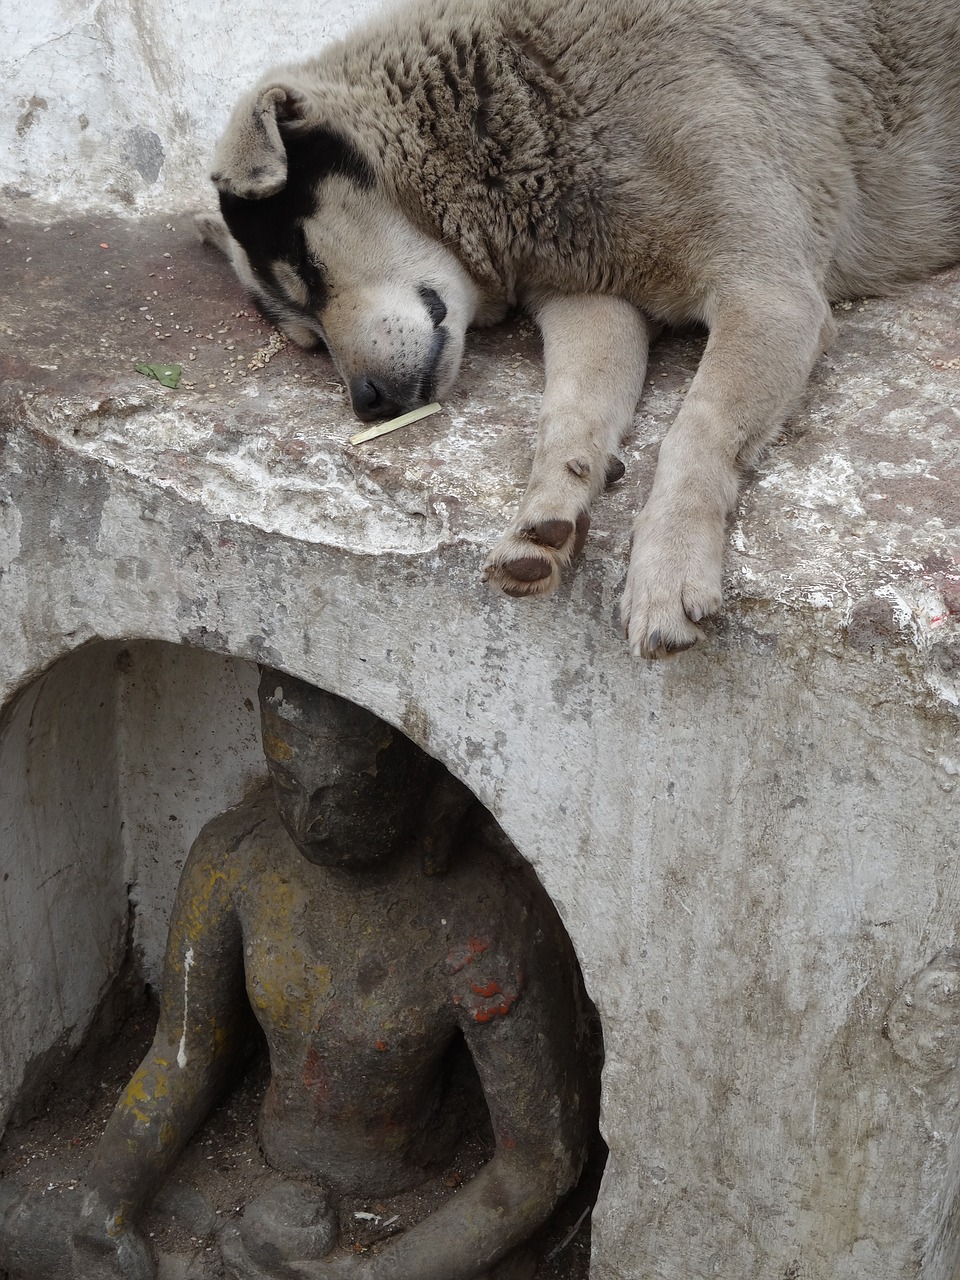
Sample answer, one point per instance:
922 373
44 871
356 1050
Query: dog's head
328 259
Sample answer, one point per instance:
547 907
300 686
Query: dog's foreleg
762 345
595 354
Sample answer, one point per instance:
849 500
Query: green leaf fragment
168 374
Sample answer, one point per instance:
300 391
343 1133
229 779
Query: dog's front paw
528 559
673 583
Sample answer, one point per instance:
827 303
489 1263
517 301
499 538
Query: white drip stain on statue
187 966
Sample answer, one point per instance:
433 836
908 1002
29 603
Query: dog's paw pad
566 536
516 570
527 568
616 470
528 559
549 533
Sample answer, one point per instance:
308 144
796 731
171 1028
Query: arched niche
110 764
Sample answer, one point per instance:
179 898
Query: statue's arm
530 1052
529 1041
203 1024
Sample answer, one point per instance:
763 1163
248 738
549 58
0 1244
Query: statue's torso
362 984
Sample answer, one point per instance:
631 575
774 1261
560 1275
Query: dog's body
610 165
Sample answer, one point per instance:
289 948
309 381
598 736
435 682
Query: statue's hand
346 1267
288 1226
241 1265
101 1255
123 1257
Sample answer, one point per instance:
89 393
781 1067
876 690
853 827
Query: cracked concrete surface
754 846
856 507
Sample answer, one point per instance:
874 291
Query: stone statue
377 923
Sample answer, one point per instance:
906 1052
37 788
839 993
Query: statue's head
348 787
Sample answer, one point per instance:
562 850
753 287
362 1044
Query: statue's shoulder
492 885
486 851
231 832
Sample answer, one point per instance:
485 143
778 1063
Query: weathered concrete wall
116 105
188 746
63 897
754 847
110 763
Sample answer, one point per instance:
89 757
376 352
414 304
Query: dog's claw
654 648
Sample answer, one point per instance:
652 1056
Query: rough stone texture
63 908
116 106
188 747
754 846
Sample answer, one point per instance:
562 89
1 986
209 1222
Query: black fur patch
310 272
272 229
428 381
436 307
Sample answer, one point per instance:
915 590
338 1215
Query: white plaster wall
189 747
754 851
110 764
63 899
116 104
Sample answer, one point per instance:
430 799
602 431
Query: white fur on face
375 321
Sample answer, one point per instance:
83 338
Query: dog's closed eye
435 305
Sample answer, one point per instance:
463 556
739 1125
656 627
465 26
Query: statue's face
339 793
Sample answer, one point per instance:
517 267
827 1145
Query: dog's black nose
371 400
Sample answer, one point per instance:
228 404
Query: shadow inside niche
440 975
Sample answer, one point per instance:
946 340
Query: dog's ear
251 159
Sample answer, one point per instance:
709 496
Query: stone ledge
852 523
